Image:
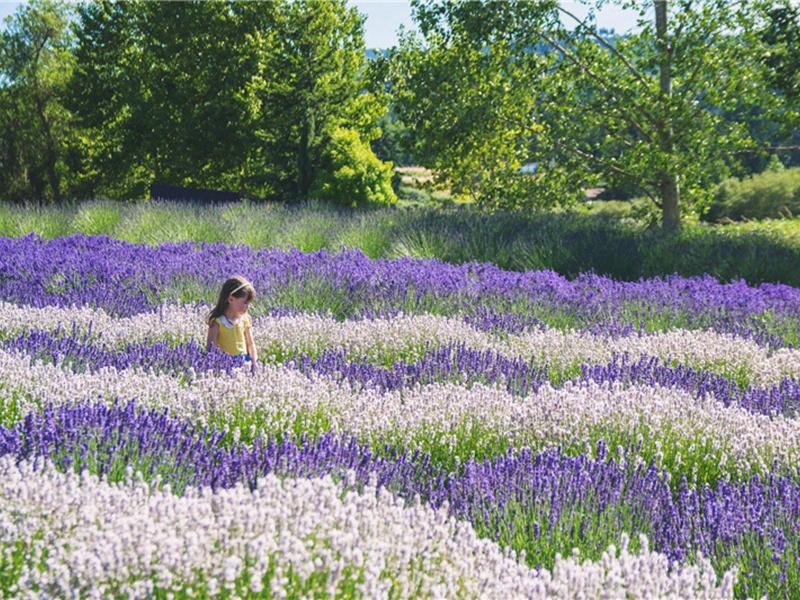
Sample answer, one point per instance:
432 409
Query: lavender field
413 429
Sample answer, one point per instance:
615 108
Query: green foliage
97 218
488 86
40 147
370 235
22 219
310 231
772 194
723 253
352 175
307 84
782 58
225 95
160 88
466 107
390 146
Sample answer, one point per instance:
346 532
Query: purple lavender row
80 354
548 497
542 502
455 362
127 279
520 377
109 439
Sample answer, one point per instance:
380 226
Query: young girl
229 325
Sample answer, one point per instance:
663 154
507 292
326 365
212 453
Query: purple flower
126 279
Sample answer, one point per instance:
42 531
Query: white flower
203 540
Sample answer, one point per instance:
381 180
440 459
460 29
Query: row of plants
126 279
412 428
567 243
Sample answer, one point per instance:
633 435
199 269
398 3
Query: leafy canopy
487 86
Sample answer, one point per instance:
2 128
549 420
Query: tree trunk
670 202
50 154
670 192
305 167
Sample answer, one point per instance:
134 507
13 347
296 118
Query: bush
725 254
353 176
768 195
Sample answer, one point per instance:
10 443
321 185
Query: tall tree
228 95
162 85
307 87
647 109
37 136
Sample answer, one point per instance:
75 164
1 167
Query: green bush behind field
567 243
768 195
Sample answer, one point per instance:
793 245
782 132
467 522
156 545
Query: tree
465 92
226 95
162 87
351 174
309 86
37 136
647 109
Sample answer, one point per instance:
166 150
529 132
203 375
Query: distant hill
373 53
607 34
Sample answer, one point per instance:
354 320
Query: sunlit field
570 243
413 427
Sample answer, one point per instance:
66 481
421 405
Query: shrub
353 175
413 195
767 195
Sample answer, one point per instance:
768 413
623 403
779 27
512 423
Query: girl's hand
211 338
251 347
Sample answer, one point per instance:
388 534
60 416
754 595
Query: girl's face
238 306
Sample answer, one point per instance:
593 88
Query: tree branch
588 156
603 163
686 86
567 54
679 30
634 71
770 149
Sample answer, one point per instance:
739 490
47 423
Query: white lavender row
68 535
440 364
698 435
406 337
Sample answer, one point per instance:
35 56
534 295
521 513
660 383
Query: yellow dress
231 338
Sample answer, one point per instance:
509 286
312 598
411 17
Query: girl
229 325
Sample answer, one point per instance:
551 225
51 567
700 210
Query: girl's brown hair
242 288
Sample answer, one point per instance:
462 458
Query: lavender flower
452 362
574 497
127 279
295 537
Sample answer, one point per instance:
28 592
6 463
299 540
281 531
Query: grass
568 243
417 190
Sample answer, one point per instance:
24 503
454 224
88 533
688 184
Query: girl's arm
251 347
211 338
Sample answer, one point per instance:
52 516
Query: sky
7 8
384 17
